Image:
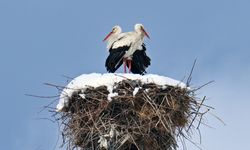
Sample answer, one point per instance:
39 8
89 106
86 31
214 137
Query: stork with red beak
127 49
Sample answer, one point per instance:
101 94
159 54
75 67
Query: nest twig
151 119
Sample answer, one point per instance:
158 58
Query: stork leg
124 65
129 65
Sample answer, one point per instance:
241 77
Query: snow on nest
109 79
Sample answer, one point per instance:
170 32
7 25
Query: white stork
113 36
127 48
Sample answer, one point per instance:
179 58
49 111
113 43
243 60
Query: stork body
127 49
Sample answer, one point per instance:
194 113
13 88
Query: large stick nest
151 119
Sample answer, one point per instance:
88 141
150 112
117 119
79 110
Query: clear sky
42 40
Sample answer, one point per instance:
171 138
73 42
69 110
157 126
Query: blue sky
41 40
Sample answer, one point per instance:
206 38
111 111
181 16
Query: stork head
140 29
116 30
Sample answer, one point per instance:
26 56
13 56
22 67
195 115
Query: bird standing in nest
127 49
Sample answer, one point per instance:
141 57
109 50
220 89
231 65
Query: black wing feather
140 61
114 60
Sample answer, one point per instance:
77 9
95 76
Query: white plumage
122 47
132 39
113 36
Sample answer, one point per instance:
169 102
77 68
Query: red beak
107 36
145 33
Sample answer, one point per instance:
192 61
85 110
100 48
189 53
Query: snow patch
109 79
136 91
82 96
110 95
103 142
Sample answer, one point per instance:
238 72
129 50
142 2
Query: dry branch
152 119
